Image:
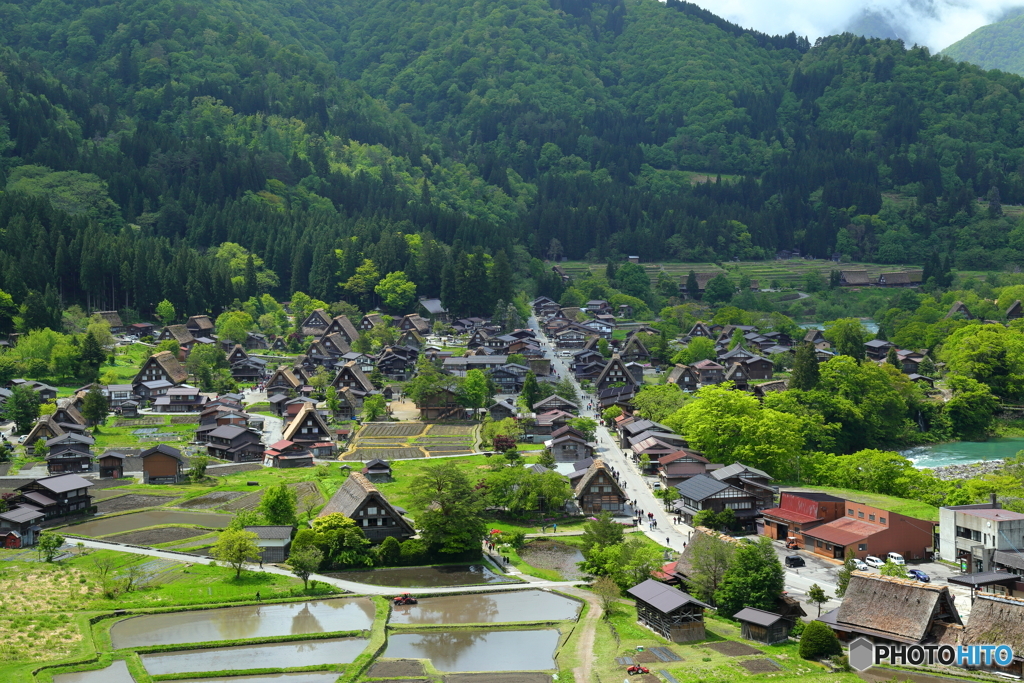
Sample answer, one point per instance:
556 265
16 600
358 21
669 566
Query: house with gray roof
705 492
274 542
360 500
668 611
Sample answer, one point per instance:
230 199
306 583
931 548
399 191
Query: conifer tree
805 368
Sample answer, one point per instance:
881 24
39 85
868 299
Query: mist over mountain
934 23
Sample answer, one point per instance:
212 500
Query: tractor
637 669
405 599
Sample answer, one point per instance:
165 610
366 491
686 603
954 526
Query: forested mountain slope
996 46
312 133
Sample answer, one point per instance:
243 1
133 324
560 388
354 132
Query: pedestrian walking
668 541
261 563
258 597
555 528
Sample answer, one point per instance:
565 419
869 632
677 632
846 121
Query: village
162 470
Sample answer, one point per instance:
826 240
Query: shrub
798 628
414 551
818 640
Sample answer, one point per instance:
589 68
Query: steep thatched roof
357 491
996 619
898 609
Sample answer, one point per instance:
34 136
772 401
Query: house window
850 512
595 489
371 511
607 489
881 520
862 546
871 518
860 513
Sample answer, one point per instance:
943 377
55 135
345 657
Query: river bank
967 470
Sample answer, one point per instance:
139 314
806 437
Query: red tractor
637 669
405 599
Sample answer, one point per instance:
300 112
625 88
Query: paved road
674 536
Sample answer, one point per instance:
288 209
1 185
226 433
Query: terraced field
402 429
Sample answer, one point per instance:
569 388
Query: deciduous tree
236 547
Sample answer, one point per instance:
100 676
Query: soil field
731 648
398 668
760 666
132 501
233 469
155 536
211 500
398 429
184 420
140 422
252 500
448 448
363 454
451 430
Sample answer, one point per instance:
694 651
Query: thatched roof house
996 619
889 609
360 500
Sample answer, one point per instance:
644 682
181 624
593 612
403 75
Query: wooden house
129 409
343 326
308 428
433 309
20 526
112 465
906 279
568 445
737 374
705 492
200 326
555 402
334 345
763 627
414 322
114 320
615 373
161 366
274 542
45 428
411 339
351 376
959 310
286 454
854 278
162 464
503 409
669 612
315 324
890 610
69 453
684 377
235 443
597 491
181 399
179 334
61 495
377 471
360 500
709 372
997 619
441 405
283 381
370 321
800 511
1015 311
635 351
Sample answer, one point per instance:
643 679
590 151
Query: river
964 452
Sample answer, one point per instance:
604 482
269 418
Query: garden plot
184 420
440 449
132 501
252 500
451 430
157 536
400 429
363 454
210 500
139 422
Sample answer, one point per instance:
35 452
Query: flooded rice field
525 605
561 557
115 673
250 621
428 577
307 677
138 520
479 650
270 655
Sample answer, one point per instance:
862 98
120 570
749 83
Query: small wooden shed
763 627
112 465
668 611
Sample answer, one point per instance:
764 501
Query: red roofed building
801 511
868 530
285 454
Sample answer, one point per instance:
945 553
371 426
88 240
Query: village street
675 536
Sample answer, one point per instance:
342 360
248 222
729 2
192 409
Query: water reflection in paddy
527 605
428 577
272 655
115 673
478 650
104 526
307 677
250 621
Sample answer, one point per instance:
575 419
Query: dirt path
588 633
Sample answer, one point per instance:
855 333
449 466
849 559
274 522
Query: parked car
918 575
795 561
895 558
859 565
873 561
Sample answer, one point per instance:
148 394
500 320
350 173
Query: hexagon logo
862 653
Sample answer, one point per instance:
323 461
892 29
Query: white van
895 558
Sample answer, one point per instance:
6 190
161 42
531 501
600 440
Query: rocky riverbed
974 469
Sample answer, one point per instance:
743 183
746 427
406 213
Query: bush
414 551
798 628
818 641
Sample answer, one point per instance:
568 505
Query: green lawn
903 506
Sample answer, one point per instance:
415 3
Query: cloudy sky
935 23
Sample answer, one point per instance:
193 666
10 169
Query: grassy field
911 508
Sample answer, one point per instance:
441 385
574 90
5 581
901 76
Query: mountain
996 46
137 137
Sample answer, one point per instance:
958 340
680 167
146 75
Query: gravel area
155 536
131 501
398 668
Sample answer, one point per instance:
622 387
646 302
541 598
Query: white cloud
935 23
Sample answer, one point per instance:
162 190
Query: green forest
438 139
